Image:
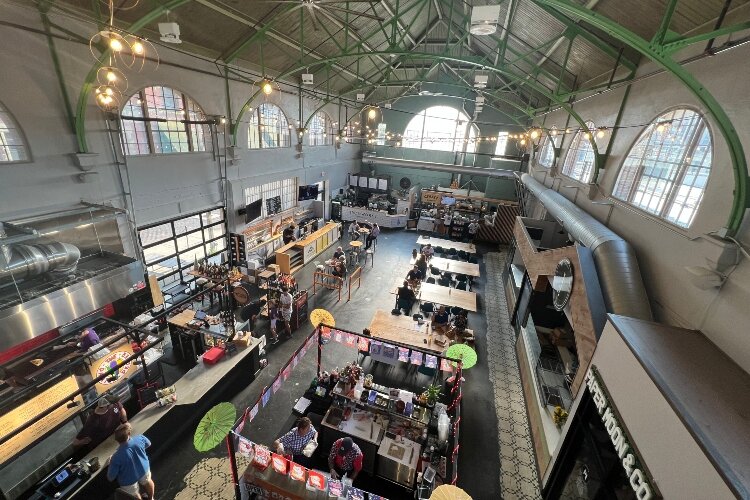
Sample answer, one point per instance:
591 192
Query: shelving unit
292 256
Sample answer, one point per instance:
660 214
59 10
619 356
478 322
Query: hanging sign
634 467
431 196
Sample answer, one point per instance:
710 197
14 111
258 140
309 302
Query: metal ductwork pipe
26 261
441 167
616 263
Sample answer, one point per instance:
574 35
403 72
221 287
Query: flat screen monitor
253 211
448 200
273 205
308 192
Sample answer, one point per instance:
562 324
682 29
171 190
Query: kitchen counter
373 216
397 461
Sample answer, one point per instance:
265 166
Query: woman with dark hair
294 442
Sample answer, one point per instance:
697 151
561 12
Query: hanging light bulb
661 127
534 133
115 44
523 142
587 135
601 132
111 76
372 113
266 87
567 130
553 131
223 120
138 47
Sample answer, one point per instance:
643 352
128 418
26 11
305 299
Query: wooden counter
295 254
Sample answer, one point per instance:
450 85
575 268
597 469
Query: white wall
163 186
664 250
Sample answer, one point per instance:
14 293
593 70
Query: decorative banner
276 384
337 336
445 365
403 354
295 360
376 348
245 446
363 344
266 397
286 372
430 361
389 351
253 412
350 340
241 425
325 335
416 358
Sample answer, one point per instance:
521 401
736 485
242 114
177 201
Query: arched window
268 128
320 130
579 162
546 156
441 128
157 120
12 145
666 170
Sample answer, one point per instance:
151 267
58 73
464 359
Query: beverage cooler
299 310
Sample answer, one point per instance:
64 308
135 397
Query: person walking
129 465
285 301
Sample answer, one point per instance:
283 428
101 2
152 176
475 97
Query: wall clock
562 284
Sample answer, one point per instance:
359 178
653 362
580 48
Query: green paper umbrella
464 353
214 426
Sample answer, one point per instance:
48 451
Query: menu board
431 196
112 363
353 180
32 408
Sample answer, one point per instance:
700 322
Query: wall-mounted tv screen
308 192
253 211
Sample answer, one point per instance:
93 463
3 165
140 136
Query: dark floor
479 456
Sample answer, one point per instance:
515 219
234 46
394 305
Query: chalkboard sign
273 205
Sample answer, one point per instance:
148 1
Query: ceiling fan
313 5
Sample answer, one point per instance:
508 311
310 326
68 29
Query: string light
138 48
601 132
372 113
266 87
534 133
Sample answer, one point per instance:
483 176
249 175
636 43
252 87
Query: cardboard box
274 267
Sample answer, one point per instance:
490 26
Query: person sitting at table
339 269
440 320
405 298
421 264
338 253
100 424
428 251
460 321
293 442
374 233
345 458
288 234
354 231
414 276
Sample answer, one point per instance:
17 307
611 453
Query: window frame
287 189
256 122
326 133
506 136
21 135
578 138
182 267
689 151
462 119
547 140
147 120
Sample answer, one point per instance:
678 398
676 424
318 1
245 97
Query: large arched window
579 162
157 120
12 146
320 130
666 170
546 156
268 128
442 128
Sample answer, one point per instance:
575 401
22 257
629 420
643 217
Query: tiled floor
518 478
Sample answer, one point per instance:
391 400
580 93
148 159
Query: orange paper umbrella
318 316
449 492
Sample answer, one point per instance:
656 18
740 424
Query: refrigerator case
299 311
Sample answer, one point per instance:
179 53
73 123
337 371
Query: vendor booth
408 441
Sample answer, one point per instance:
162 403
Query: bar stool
371 253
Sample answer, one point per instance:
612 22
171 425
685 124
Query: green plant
432 393
559 416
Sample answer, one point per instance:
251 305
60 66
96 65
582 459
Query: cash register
62 481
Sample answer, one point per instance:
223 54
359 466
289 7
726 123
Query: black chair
455 311
427 308
462 285
444 281
473 260
430 280
439 250
463 255
435 271
452 251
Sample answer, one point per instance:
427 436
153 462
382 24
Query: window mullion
149 131
682 169
186 115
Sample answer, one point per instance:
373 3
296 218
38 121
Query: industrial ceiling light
307 79
484 19
170 33
372 113
266 87
480 81
601 132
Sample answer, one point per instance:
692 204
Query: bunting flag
276 384
363 344
416 358
376 348
445 365
244 446
286 372
403 354
253 412
241 425
337 336
389 351
266 397
350 340
430 361
295 360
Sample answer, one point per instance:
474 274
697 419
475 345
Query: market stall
407 439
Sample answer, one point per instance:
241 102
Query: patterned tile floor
518 477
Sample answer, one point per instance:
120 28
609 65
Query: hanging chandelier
117 48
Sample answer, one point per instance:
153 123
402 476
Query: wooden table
439 242
448 296
182 319
355 243
387 327
453 266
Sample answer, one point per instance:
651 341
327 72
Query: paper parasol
214 426
464 353
449 492
318 316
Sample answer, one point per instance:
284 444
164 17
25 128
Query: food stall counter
382 218
397 460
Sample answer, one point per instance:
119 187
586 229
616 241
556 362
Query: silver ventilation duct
25 261
441 167
616 263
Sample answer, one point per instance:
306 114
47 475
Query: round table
356 244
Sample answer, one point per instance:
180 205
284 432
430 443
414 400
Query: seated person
288 234
354 231
421 264
405 298
100 425
374 233
338 253
458 329
428 251
414 276
339 269
293 442
440 320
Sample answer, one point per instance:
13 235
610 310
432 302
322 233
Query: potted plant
559 416
431 394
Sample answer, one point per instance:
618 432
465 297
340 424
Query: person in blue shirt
440 320
129 464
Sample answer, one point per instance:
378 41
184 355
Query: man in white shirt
285 301
473 228
447 219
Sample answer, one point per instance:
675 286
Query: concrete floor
479 458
